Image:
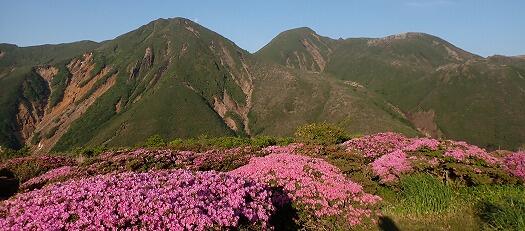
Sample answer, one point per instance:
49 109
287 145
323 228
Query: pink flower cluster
168 199
416 144
310 182
390 166
378 144
43 161
63 172
389 153
462 151
515 164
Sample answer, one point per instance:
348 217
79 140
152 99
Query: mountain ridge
176 78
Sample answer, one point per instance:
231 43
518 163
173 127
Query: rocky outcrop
244 79
425 123
315 53
27 119
147 60
47 72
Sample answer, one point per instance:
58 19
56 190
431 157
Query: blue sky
484 27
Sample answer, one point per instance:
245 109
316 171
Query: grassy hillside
175 78
443 90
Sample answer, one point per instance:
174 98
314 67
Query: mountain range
175 78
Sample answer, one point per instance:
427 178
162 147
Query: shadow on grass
387 224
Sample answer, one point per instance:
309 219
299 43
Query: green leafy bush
321 133
154 141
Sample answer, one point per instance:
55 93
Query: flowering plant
168 199
312 183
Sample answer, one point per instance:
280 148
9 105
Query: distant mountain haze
176 78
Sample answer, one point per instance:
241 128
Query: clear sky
484 27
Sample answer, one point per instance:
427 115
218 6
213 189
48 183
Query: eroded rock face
47 72
147 61
425 123
27 120
2 53
79 95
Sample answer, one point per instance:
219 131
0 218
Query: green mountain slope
176 78
443 90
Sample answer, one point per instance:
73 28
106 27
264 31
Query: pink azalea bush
53 175
378 144
416 144
392 154
390 166
156 200
462 151
312 183
515 164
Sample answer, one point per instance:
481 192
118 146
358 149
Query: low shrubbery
204 143
321 133
392 155
318 183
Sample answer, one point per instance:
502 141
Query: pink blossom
168 199
377 144
390 166
515 164
317 185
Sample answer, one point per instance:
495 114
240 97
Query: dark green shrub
263 141
89 151
154 141
226 142
7 153
321 133
27 170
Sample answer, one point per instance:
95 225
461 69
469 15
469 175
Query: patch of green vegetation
51 132
36 138
154 141
424 194
58 84
321 133
500 207
204 142
7 153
